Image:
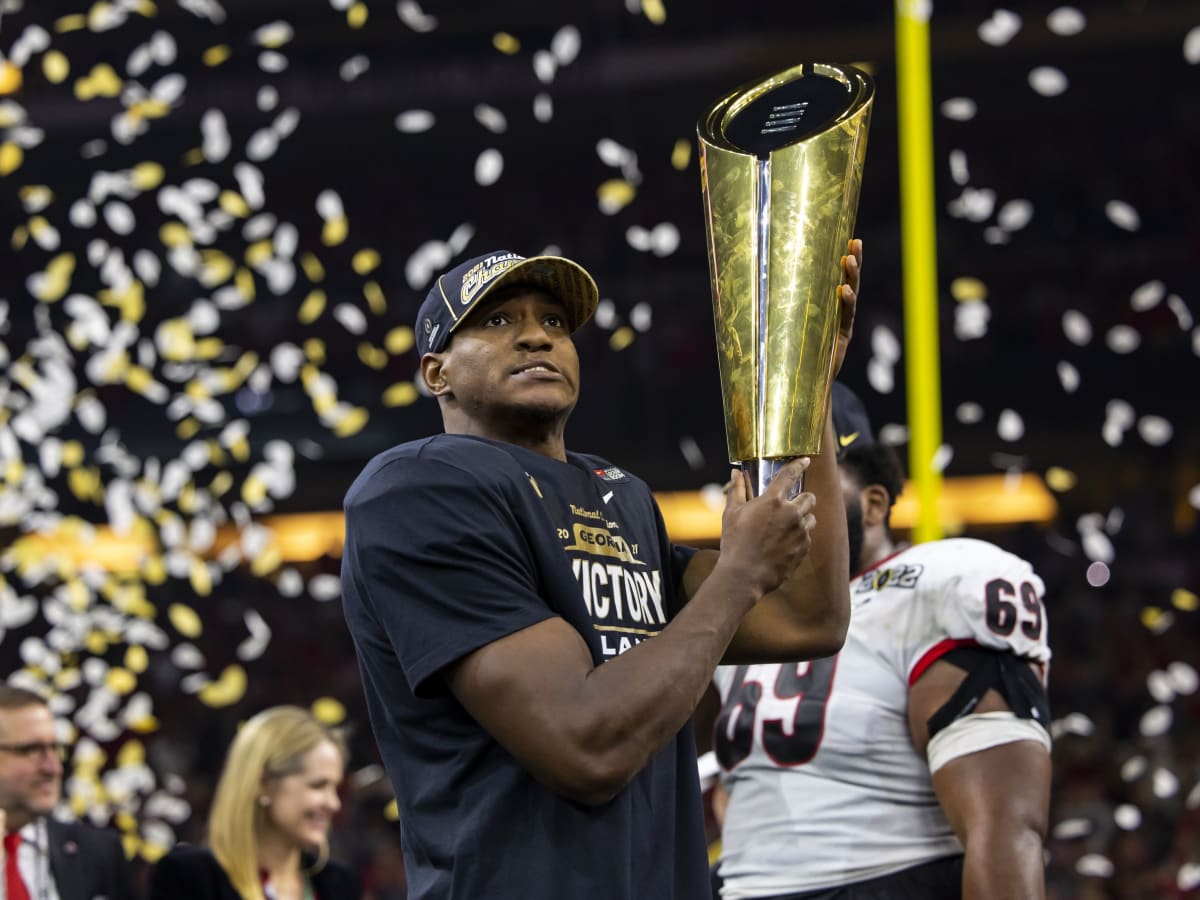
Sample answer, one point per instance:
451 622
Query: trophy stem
763 204
761 471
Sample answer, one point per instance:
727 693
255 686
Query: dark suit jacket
193 873
88 863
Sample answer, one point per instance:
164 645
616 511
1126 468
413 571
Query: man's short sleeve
439 558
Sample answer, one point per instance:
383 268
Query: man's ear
433 371
875 504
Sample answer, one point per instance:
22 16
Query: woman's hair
270 745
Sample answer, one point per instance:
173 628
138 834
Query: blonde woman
268 831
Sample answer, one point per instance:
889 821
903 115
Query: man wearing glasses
45 859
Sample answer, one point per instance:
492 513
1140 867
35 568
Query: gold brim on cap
565 279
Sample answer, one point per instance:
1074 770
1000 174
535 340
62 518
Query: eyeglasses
37 749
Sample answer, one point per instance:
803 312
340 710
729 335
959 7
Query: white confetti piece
1155 430
971 320
1066 21
606 314
325 587
1001 28
1158 684
119 217
959 170
1070 829
691 453
1148 295
489 166
1165 782
1127 817
491 118
893 434
273 34
1183 315
412 15
1097 546
1048 81
1123 339
565 45
641 317
1191 46
1075 723
216 141
1183 678
267 98
1188 876
351 318
1077 328
973 204
969 413
272 62
544 66
543 107
1123 215
959 109
329 205
1015 215
262 145
942 458
259 638
881 375
1094 865
1010 426
354 67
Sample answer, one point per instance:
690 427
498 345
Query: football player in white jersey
916 762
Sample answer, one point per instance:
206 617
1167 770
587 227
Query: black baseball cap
851 426
464 287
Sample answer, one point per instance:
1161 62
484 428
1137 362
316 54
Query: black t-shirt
453 542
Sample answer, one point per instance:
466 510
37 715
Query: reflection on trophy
781 164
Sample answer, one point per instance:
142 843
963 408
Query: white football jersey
825 785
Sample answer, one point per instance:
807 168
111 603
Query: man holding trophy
531 643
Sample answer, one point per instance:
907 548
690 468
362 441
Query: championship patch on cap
457 292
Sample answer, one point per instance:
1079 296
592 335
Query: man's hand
764 539
848 293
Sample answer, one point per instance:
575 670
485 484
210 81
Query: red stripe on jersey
936 652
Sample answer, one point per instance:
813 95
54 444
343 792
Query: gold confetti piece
200 578
622 338
391 812
193 157
372 356
654 11
184 620
175 234
314 350
267 562
399 340
72 453
14 471
356 15
506 43
138 379
209 348
146 176
312 267
615 194
11 157
120 681
125 821
11 77
403 393
352 422
175 340
221 484
102 81
145 8
10 115
335 231
55 67
328 711
244 280
375 299
154 569
226 690
1058 479
1152 617
234 204
681 154
214 56
57 279
144 725
150 108
95 643
131 301
312 307
132 753
70 23
1185 600
365 261
83 482
20 238
77 595
254 490
968 290
137 659
259 252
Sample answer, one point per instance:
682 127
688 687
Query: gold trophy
781 163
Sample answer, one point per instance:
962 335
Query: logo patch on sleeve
612 473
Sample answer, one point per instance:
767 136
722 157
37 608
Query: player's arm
996 799
807 616
586 730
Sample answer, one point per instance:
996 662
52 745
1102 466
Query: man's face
30 770
513 356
